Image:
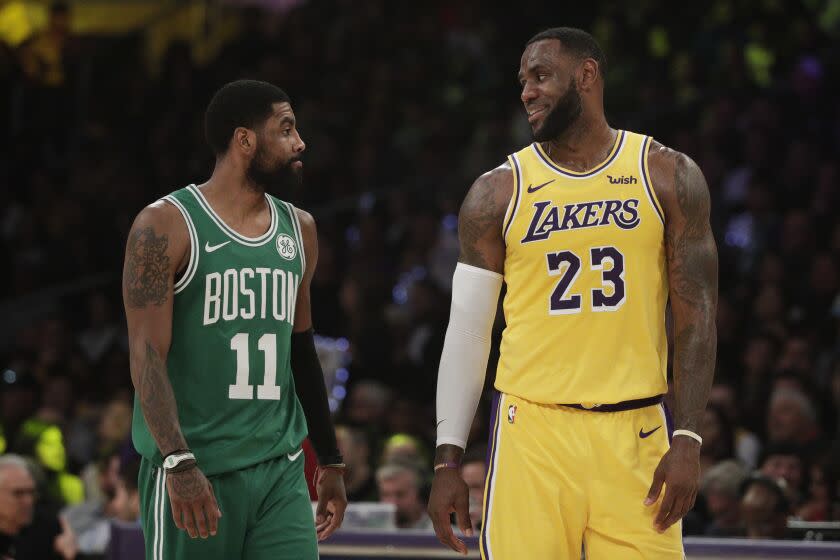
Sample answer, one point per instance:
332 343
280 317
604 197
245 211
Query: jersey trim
298 235
195 248
513 205
645 173
248 241
546 160
157 538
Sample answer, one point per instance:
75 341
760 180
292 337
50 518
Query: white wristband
690 434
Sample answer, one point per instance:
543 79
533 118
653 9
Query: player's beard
272 177
565 113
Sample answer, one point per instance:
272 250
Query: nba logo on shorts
511 413
286 247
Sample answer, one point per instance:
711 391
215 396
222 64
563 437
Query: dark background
402 105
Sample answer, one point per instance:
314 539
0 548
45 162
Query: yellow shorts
561 478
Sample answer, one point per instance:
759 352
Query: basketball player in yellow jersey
594 230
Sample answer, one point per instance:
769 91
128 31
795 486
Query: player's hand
679 470
450 493
332 501
194 507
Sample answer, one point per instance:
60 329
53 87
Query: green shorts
266 514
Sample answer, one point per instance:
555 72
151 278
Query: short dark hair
782 502
576 41
241 103
782 448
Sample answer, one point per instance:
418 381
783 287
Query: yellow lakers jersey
586 280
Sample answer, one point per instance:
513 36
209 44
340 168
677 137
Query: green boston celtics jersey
231 332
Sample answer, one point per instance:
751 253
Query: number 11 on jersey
269 390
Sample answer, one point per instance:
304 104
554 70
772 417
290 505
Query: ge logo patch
511 413
286 247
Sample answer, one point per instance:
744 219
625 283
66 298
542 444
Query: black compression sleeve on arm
309 384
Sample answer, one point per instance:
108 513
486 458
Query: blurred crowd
402 105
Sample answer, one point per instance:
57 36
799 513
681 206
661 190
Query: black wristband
312 393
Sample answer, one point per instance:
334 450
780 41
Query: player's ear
588 72
244 139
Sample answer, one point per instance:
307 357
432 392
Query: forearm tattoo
157 401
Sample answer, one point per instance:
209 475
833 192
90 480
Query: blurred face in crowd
723 397
711 430
276 163
796 356
126 503
786 467
16 404
367 404
787 421
17 499
403 490
403 449
758 355
723 508
549 91
352 446
474 474
760 513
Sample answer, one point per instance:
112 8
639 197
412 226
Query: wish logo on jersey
547 217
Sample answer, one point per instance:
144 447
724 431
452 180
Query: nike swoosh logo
532 188
643 434
292 457
210 248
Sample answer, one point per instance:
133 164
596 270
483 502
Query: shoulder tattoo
146 268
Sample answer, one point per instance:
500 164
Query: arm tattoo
147 268
480 220
692 263
157 401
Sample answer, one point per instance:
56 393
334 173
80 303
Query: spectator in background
358 476
718 437
792 418
25 433
26 534
784 462
367 403
126 503
747 444
405 449
823 492
721 488
764 509
90 520
404 486
474 473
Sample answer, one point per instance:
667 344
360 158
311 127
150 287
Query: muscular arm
692 276
480 236
157 246
480 220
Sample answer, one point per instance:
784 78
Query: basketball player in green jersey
227 382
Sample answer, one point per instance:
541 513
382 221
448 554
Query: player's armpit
480 220
156 247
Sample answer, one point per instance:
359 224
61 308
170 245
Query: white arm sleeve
466 348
